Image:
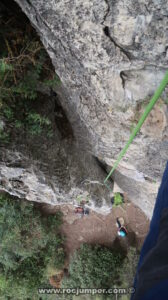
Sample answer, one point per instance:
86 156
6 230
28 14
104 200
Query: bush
128 270
93 267
24 66
29 243
99 267
118 200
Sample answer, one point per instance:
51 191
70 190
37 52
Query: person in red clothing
79 210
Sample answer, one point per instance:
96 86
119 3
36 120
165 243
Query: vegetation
24 67
30 244
128 270
118 199
93 267
31 249
100 267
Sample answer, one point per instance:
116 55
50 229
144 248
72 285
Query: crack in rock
107 12
123 77
107 33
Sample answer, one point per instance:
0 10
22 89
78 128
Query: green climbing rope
148 109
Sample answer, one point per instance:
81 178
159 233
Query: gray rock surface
110 56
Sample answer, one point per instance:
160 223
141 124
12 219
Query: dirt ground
101 229
98 229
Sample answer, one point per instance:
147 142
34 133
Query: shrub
93 267
118 200
29 243
99 267
128 270
24 67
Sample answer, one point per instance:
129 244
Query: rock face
110 56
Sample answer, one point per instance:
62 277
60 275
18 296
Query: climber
151 280
122 232
79 210
86 211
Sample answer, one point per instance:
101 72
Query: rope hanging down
148 109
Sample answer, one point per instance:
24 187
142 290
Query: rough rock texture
52 169
110 56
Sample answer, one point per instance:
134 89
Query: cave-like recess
59 153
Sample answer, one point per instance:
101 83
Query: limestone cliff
110 56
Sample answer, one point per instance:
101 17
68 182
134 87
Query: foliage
128 270
4 136
99 267
93 267
118 200
35 123
29 244
24 67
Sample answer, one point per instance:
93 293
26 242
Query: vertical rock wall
111 56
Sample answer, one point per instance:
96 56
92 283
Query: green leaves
52 82
117 199
38 119
35 123
4 67
8 113
29 242
93 266
24 66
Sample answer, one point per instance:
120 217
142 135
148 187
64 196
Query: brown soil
55 280
101 229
